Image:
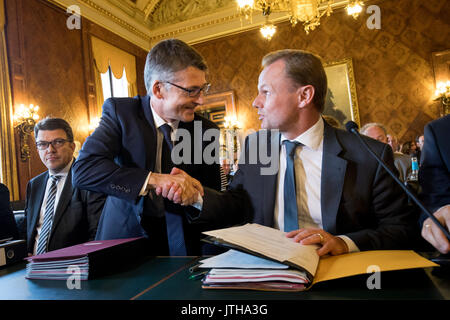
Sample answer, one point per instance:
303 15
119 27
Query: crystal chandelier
308 12
354 8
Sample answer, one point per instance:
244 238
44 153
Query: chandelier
308 12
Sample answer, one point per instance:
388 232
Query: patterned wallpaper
392 66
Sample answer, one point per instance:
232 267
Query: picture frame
341 101
218 106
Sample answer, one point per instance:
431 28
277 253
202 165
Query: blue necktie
48 217
174 221
290 197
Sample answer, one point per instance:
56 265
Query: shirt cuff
144 190
199 204
350 244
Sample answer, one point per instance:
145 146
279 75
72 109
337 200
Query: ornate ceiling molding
129 20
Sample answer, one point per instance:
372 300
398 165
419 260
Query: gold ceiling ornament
308 12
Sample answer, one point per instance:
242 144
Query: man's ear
156 89
305 95
73 146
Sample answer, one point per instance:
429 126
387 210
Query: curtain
8 163
106 55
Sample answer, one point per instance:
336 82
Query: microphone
352 127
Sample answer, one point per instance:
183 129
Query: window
113 87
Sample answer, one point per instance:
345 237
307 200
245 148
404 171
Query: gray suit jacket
358 197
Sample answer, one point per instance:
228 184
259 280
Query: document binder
90 259
12 251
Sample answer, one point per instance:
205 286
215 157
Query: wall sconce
442 94
93 124
25 119
232 125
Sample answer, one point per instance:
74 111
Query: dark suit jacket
76 215
117 158
8 227
434 172
358 197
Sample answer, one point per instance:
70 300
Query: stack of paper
238 270
59 269
84 260
261 241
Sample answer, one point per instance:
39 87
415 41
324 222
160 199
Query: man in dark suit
320 185
128 156
57 214
8 227
434 178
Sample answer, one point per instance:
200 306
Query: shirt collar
160 121
311 138
64 172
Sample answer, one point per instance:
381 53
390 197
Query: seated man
8 227
57 214
318 183
434 178
402 162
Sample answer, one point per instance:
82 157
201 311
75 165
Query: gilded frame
341 101
223 99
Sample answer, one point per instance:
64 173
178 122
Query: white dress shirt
59 187
158 121
308 173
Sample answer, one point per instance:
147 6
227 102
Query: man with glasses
57 214
128 157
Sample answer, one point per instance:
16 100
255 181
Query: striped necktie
48 216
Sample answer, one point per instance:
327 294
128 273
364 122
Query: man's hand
178 187
434 235
330 244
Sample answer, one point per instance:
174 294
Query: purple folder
81 250
93 258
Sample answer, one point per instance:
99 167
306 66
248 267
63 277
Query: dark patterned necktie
290 196
174 220
48 216
167 145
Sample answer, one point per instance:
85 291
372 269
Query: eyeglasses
194 92
57 143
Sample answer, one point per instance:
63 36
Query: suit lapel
36 199
332 180
270 183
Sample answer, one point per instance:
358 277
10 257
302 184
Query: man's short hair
366 127
304 68
166 58
54 124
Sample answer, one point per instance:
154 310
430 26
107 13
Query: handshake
177 186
